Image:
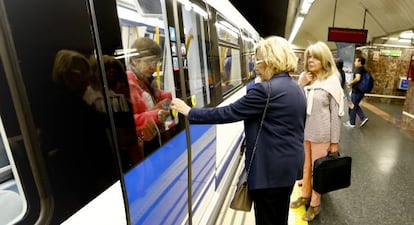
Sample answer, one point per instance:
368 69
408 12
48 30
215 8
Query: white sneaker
363 122
348 124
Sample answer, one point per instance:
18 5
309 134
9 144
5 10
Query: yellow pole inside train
157 39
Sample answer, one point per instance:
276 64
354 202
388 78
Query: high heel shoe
311 213
299 202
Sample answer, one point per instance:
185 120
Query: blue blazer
279 157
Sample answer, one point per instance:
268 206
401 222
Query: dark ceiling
267 16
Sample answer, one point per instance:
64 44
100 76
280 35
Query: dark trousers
271 206
356 98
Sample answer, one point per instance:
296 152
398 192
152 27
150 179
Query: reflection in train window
248 54
229 55
230 68
227 32
149 71
196 54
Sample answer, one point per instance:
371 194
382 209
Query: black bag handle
334 154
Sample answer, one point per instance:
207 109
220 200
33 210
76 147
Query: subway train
71 151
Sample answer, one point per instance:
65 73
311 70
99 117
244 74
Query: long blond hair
278 56
321 51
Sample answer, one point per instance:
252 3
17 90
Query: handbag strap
260 128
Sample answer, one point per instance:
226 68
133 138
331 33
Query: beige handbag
241 200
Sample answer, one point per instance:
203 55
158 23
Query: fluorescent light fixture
306 4
406 34
133 16
295 29
403 40
199 10
191 6
126 56
184 2
300 16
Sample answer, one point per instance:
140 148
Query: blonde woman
278 159
324 108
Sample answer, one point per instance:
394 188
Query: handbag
331 173
241 200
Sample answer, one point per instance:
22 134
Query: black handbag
331 173
241 200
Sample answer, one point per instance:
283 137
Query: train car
74 148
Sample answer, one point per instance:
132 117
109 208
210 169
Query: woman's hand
180 106
334 147
306 79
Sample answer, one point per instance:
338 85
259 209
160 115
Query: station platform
381 191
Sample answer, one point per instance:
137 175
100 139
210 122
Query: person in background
278 160
340 67
227 68
325 106
357 95
150 105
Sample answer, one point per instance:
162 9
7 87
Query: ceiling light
306 4
300 16
295 29
406 34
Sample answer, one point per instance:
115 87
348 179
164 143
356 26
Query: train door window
150 51
229 55
194 53
146 52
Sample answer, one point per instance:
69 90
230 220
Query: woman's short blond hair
278 56
322 52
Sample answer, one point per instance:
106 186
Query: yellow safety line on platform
295 215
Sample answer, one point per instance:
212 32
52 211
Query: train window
230 68
229 55
195 53
227 32
248 53
145 51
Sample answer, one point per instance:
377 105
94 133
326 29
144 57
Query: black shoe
363 122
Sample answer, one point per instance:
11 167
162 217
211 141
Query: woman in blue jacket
279 156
